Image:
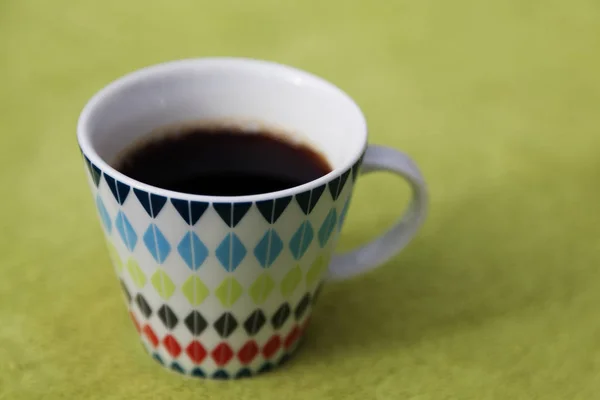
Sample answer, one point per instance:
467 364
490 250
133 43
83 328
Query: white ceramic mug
223 287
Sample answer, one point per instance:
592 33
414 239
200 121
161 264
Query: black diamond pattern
126 292
280 316
167 316
195 323
143 305
225 325
302 306
254 322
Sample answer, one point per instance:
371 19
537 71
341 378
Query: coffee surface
220 160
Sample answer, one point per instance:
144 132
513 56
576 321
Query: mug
223 287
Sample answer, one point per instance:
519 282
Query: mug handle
380 250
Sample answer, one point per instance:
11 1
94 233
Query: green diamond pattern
136 273
195 290
291 280
228 292
261 288
163 284
317 269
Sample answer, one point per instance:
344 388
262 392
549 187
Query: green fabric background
498 101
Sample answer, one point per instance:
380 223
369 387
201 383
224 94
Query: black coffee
220 161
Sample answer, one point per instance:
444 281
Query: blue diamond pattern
243 373
177 368
327 227
231 252
156 243
128 235
268 249
156 356
221 374
104 214
301 240
198 373
192 250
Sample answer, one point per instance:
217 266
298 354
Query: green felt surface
498 101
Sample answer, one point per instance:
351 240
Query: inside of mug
247 92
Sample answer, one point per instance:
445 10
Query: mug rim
292 74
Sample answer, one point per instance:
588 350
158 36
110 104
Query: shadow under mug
223 287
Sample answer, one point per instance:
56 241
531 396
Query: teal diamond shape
301 240
327 227
231 252
126 231
268 249
156 243
192 250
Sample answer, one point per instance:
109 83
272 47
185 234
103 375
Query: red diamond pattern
272 346
150 335
135 323
248 352
291 337
222 354
196 352
172 346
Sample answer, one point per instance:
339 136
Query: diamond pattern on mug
232 213
281 316
156 243
301 240
291 338
356 168
231 252
220 374
192 250
190 211
195 323
255 322
137 275
119 190
308 200
172 346
163 285
337 185
143 305
196 352
261 288
152 203
194 290
271 210
268 248
167 316
222 354
104 216
177 368
225 325
243 373
95 172
327 227
248 352
197 372
125 291
290 281
229 291
302 306
271 347
126 231
150 335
